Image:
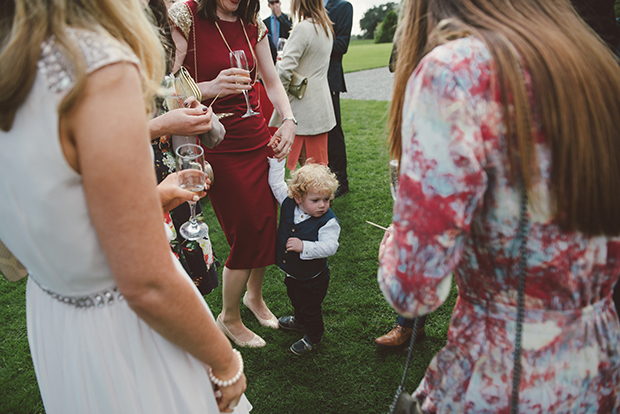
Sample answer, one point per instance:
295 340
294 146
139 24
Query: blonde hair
313 9
576 84
312 177
27 23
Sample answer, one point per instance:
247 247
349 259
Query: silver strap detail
99 299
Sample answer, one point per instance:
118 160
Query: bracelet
290 118
227 383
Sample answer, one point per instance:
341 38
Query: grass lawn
347 373
365 54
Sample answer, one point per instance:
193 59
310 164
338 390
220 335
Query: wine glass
191 171
394 178
281 43
238 60
175 97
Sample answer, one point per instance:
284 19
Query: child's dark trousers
306 297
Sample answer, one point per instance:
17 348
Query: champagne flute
281 43
175 93
394 178
175 97
191 171
238 60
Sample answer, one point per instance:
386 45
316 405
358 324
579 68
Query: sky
359 8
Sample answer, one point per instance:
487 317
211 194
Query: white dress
91 352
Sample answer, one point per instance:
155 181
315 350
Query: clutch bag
213 137
189 86
406 404
298 85
10 267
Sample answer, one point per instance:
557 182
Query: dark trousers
306 297
336 151
408 323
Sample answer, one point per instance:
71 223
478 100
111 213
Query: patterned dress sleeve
181 16
441 185
98 50
262 29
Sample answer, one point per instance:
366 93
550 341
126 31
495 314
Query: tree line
379 22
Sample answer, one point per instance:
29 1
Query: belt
99 299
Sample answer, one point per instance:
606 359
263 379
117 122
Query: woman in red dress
207 31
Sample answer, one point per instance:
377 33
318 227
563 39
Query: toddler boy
307 234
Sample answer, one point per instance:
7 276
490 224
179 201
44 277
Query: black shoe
342 190
302 346
288 323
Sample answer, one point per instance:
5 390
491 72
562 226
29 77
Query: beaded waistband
99 299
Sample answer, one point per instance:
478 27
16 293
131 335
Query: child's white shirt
328 234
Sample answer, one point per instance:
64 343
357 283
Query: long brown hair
247 11
25 24
576 84
313 9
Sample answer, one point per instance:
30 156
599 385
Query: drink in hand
239 60
175 102
191 174
192 180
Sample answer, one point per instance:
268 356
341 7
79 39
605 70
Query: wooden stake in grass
376 225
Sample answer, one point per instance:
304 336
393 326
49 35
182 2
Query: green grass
365 54
347 373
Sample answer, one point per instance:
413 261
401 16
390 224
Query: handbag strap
195 53
401 387
522 236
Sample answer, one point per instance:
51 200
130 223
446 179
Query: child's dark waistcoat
307 230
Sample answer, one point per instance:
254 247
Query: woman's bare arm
108 126
284 136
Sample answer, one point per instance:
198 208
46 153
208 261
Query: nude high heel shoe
270 323
255 342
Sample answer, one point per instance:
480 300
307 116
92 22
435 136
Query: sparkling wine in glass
175 93
239 60
191 171
394 178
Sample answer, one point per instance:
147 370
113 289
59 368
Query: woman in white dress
114 323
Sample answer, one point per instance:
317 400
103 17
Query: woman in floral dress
491 97
196 256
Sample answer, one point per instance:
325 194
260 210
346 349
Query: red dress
240 193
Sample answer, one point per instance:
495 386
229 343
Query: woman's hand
228 397
171 195
282 140
193 120
228 82
387 238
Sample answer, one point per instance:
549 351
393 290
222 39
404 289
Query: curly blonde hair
312 177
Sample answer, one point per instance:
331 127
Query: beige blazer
307 52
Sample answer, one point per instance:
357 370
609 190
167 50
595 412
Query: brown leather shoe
397 337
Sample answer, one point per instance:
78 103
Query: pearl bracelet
227 383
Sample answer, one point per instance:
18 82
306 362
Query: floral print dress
457 212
